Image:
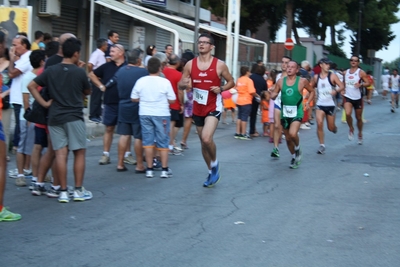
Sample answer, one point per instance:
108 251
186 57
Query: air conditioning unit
49 8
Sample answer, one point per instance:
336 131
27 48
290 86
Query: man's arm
96 81
364 77
12 71
274 90
230 83
33 89
305 84
185 80
90 67
337 82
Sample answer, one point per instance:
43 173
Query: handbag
38 113
6 99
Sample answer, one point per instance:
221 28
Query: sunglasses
353 60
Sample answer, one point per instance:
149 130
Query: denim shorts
155 128
2 136
243 112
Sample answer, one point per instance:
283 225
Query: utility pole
196 26
360 10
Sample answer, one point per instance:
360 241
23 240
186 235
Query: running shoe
149 174
38 190
275 152
104 160
53 193
20 181
215 176
321 150
130 160
166 174
31 185
8 216
245 137
237 136
351 135
292 164
63 197
156 164
208 181
360 140
299 155
82 195
392 110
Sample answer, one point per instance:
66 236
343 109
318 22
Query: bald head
63 37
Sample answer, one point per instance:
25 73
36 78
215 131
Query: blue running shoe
215 177
207 182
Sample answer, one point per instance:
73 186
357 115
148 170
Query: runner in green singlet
292 109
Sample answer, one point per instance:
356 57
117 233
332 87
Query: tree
377 16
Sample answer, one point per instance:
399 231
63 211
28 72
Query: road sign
289 44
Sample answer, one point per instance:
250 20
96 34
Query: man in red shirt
174 76
204 73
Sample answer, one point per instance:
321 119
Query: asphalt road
326 213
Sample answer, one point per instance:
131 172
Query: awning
242 39
179 32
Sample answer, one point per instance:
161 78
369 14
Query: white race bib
200 96
289 111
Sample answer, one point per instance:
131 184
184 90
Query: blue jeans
155 129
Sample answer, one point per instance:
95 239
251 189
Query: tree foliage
316 16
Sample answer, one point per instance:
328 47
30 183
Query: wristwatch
101 87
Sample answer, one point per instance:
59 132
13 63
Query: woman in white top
326 83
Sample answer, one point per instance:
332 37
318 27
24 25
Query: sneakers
20 181
208 181
31 185
351 135
215 176
392 110
321 150
237 136
13 173
175 151
150 174
95 120
104 160
53 193
27 172
271 140
304 127
360 140
130 160
8 216
245 137
292 164
165 174
299 155
81 195
275 152
63 197
156 164
38 190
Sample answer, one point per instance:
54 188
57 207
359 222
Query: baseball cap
325 60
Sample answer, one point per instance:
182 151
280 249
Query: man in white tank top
328 85
353 78
385 82
277 110
394 85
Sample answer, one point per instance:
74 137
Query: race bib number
289 111
200 96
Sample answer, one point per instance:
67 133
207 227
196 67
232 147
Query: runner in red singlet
205 72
